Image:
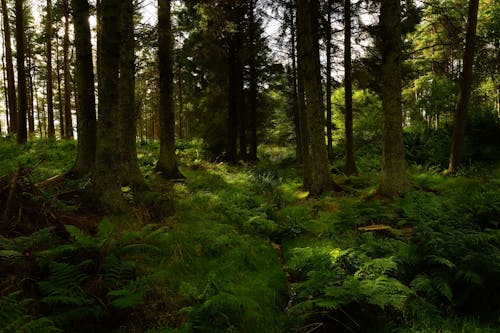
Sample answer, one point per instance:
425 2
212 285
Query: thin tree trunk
22 132
457 142
11 86
350 161
50 93
85 95
59 91
329 82
181 101
68 121
233 114
167 161
4 82
295 103
394 174
252 155
31 104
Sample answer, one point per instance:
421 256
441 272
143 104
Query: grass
248 252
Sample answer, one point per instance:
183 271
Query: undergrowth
248 252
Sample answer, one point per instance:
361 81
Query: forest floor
248 251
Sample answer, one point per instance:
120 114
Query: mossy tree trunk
85 96
167 161
395 179
22 130
457 142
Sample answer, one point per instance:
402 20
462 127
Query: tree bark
50 95
295 103
59 91
350 161
11 86
131 174
167 161
252 154
308 51
22 132
107 171
328 37
457 142
31 100
394 174
68 121
85 95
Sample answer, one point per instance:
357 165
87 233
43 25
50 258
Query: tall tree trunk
11 86
68 121
50 95
252 154
350 161
181 101
22 131
329 82
131 174
308 50
59 91
85 95
295 102
31 100
457 142
394 174
5 88
167 161
107 171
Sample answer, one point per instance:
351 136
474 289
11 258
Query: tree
85 96
395 179
457 142
328 37
350 161
22 132
252 126
68 122
11 88
107 174
309 71
167 161
50 98
131 174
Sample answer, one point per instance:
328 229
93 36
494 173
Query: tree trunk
85 95
233 114
68 121
308 51
59 91
22 132
350 161
31 100
107 171
50 95
131 174
394 174
252 154
11 86
295 102
167 161
457 142
329 82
